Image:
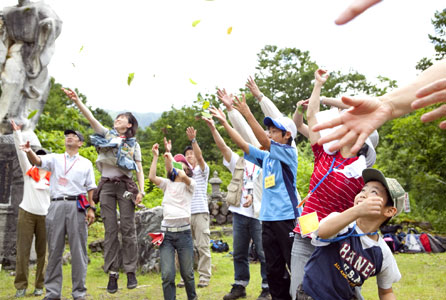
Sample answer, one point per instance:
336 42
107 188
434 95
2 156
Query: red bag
424 239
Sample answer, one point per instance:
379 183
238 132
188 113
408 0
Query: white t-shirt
249 175
176 202
36 195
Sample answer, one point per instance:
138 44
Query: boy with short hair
279 199
348 248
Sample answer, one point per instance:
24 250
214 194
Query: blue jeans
182 243
243 230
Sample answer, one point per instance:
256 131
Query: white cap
283 123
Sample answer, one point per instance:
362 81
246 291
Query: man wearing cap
279 197
31 219
199 208
72 178
348 247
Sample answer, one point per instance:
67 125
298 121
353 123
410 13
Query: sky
102 42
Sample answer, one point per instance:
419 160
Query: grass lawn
424 277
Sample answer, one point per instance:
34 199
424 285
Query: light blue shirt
279 202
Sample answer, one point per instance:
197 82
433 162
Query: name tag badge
308 223
62 181
270 181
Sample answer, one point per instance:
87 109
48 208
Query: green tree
438 39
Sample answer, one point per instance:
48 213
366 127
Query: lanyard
65 158
343 237
323 178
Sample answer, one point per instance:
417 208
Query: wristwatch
143 193
93 208
260 97
193 141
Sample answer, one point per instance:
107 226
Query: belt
175 229
64 198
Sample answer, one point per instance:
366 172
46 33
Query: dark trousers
112 195
278 240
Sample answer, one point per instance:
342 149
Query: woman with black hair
118 155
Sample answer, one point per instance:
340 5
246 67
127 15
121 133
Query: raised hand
431 94
254 89
370 206
71 94
321 76
167 145
357 123
191 133
218 114
225 98
15 127
155 150
209 121
302 105
26 148
241 105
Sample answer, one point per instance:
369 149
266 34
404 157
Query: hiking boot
181 284
131 281
202 283
20 293
38 292
112 286
265 295
237 291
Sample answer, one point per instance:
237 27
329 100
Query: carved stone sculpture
27 35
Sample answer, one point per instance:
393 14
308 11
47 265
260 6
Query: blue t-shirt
346 264
279 202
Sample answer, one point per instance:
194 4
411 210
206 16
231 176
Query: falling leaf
32 114
229 30
191 81
74 66
130 78
206 114
206 105
195 23
82 48
200 98
169 127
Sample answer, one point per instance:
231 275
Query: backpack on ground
219 246
424 239
436 245
412 241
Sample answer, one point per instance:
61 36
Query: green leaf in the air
130 78
195 23
206 114
191 81
32 114
206 104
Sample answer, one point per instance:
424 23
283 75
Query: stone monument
27 35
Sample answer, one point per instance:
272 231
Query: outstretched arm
235 137
224 149
152 173
97 127
258 130
267 106
32 156
168 159
356 8
367 115
298 118
334 102
320 77
192 134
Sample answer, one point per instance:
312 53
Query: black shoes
265 295
131 281
112 286
237 291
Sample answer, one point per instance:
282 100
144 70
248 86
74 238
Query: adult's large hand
241 105
252 86
357 123
14 126
219 114
356 8
226 98
430 94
